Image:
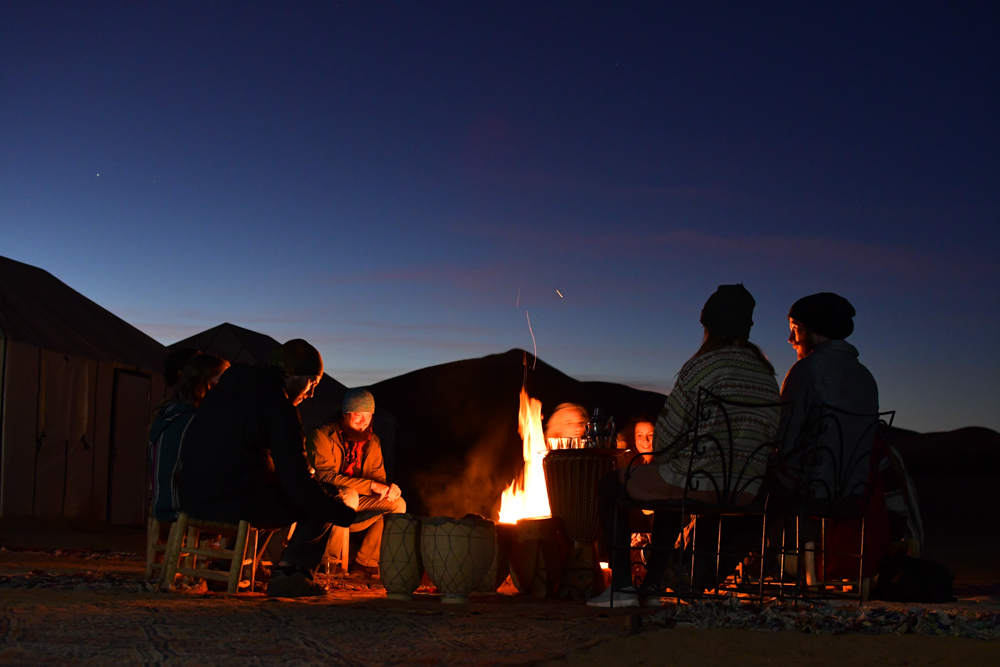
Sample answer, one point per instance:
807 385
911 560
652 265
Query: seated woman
732 368
568 420
639 441
200 374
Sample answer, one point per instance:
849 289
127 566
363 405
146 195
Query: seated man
347 454
243 458
827 374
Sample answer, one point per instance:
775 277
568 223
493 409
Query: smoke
475 483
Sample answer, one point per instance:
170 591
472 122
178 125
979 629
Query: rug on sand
824 617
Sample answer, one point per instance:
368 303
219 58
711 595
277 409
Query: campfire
526 497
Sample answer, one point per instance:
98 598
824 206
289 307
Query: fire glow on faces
359 421
800 338
644 437
301 387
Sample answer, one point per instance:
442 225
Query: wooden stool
345 549
189 540
157 535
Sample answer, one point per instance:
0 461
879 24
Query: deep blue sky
400 183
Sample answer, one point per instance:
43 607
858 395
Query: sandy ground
500 629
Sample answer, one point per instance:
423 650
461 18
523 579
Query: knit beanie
298 358
826 313
358 400
729 312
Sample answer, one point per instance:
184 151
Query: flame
526 496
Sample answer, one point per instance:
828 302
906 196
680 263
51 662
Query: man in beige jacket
347 454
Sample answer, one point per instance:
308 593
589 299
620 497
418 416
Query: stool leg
239 555
152 538
172 554
192 542
345 550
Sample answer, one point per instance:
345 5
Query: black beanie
729 312
826 313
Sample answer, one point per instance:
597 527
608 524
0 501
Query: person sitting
244 459
347 454
826 375
829 384
170 421
639 441
568 420
732 368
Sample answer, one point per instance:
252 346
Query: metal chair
834 468
720 475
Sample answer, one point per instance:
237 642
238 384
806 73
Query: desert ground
73 594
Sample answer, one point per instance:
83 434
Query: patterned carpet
58 621
99 611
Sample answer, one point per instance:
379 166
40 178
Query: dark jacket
246 441
829 376
165 437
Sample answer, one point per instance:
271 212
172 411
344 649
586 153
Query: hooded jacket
166 436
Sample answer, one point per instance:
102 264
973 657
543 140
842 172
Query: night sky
406 184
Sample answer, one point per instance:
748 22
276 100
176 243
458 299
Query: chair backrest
726 450
830 460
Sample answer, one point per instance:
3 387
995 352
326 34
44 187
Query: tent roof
232 343
38 309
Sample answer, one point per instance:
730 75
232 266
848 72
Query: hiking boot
370 570
297 585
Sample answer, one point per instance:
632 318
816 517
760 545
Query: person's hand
381 490
394 492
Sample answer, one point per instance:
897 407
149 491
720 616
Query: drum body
571 479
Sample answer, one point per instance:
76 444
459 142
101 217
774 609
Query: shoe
370 570
650 597
297 585
626 597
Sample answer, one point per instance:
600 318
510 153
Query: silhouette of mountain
947 453
457 444
957 478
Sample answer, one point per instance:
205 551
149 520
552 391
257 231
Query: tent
239 345
77 387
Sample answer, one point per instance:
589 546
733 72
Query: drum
457 554
571 478
538 557
500 569
399 561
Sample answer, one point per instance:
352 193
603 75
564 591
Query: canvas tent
77 387
240 345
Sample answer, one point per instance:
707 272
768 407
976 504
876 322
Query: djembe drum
571 479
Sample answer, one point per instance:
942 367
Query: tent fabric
232 343
38 309
78 387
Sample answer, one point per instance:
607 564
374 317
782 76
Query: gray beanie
358 400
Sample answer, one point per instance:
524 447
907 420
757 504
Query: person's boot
286 582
